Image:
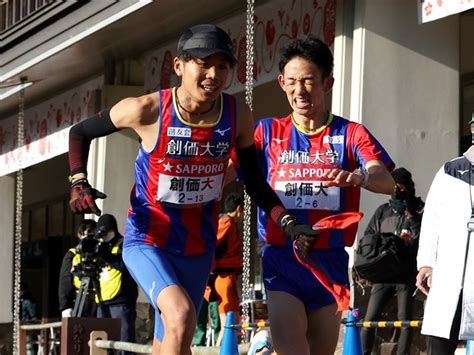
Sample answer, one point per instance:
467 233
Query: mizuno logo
462 172
150 292
279 141
270 279
222 131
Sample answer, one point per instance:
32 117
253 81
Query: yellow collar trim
212 124
309 132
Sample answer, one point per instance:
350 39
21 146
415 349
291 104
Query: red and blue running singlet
294 163
178 185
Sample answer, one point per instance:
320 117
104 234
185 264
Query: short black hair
86 224
312 49
403 176
232 201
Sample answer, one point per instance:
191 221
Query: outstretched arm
258 188
135 113
375 178
82 196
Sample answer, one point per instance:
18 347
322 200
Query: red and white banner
276 23
430 10
46 127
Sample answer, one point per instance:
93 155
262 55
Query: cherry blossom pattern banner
430 10
46 127
276 23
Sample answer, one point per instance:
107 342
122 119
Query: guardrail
47 340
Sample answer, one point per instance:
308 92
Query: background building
410 83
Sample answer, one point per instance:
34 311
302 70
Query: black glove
82 197
304 234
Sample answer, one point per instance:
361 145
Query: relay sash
341 293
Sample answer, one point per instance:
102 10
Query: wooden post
22 340
96 335
75 333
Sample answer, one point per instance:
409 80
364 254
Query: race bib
307 195
189 190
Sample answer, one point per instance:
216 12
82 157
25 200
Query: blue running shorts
282 272
155 269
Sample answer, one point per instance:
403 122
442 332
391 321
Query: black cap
201 41
107 222
402 176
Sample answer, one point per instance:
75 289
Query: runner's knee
181 319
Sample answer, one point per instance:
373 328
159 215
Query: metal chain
18 224
249 54
246 287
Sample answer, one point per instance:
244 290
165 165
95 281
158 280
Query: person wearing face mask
400 217
118 290
69 283
445 257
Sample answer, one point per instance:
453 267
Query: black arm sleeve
81 135
256 185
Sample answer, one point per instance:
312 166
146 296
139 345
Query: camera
90 245
91 250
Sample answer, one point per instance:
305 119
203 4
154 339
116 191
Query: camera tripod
89 288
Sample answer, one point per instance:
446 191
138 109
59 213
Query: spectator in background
446 255
227 264
208 316
118 290
28 313
398 218
68 283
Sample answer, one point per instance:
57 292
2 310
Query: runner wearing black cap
187 134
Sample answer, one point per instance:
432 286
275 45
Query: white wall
122 150
405 87
7 192
112 158
467 49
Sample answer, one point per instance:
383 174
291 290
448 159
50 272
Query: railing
15 11
47 341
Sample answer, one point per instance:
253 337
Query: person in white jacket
446 255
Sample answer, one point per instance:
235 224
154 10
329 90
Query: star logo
281 173
167 167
